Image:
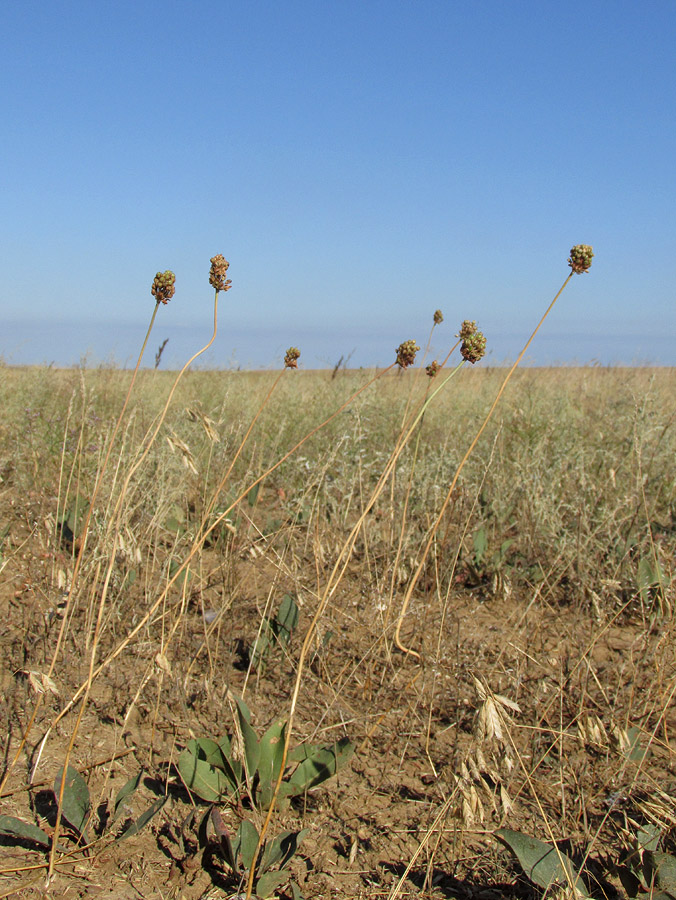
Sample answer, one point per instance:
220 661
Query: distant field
539 695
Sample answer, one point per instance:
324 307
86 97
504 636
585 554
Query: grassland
540 693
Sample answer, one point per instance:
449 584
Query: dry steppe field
142 596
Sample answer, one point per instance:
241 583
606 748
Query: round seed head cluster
473 347
291 358
467 329
406 353
580 258
163 288
217 273
438 317
432 369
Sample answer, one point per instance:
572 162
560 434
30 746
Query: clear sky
361 163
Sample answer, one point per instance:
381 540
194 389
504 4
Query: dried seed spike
473 347
406 352
580 258
291 358
163 287
218 272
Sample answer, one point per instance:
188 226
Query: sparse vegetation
185 559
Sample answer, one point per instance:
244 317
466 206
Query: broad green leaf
77 513
175 520
269 882
74 518
12 827
128 579
287 619
218 755
75 806
649 575
281 850
660 871
143 819
631 884
480 544
295 891
261 645
252 495
126 791
251 747
648 836
635 752
543 863
303 751
321 765
247 841
270 761
273 851
208 782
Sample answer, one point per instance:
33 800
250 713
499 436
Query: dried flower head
580 258
163 288
438 317
432 369
406 353
467 329
473 347
217 273
291 358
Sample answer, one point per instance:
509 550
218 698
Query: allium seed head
291 358
432 369
406 353
163 288
580 258
438 317
217 273
473 347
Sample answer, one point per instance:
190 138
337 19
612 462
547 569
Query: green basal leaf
200 777
75 806
76 515
648 836
635 752
480 542
543 863
287 619
16 828
321 765
252 495
270 761
269 882
251 746
126 791
247 841
274 852
143 819
660 871
261 646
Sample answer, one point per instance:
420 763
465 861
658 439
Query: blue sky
360 164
